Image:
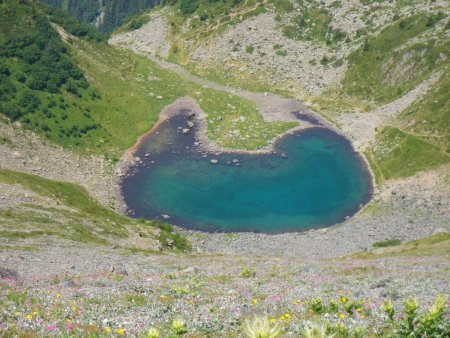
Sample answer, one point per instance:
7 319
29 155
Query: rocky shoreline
360 232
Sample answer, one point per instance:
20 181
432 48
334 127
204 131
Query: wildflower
35 313
411 305
388 308
341 315
344 299
261 328
69 327
315 331
153 333
120 331
254 301
29 317
272 320
296 301
51 328
179 326
438 306
107 329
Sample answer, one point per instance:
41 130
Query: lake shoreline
186 106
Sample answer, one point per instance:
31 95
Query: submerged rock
214 161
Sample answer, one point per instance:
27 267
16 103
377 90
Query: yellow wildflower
35 313
341 315
254 301
286 315
272 320
153 333
107 330
29 317
344 299
120 331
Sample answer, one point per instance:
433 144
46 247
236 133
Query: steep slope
104 14
362 64
74 92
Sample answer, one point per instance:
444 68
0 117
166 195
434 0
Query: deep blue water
320 182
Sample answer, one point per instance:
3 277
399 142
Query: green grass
118 102
387 243
128 111
398 154
436 245
76 216
312 24
384 68
430 114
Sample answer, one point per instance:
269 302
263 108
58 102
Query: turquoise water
320 182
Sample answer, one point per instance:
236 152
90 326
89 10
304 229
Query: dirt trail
272 107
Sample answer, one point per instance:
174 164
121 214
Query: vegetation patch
387 243
80 217
400 154
386 67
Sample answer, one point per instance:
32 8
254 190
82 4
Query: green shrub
390 242
248 273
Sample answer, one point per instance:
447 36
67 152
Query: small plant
388 308
317 306
250 49
179 327
388 243
261 328
432 323
248 273
315 331
153 333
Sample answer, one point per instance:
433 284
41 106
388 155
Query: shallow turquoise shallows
315 179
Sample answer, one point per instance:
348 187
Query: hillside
73 108
106 15
361 64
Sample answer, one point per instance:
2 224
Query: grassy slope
130 103
436 245
74 215
386 67
420 140
122 103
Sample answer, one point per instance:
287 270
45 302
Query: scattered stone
214 161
